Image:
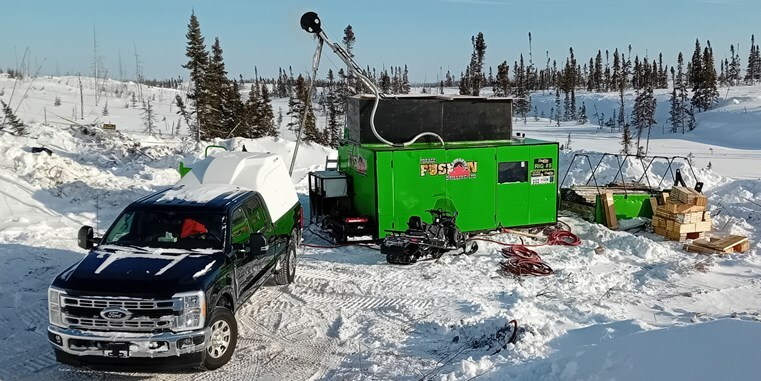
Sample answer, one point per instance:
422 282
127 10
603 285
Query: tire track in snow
23 364
270 349
359 303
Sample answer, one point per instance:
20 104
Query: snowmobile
424 240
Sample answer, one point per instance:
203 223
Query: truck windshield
168 229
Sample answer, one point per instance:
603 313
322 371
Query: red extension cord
523 261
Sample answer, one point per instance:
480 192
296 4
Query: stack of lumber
725 245
682 215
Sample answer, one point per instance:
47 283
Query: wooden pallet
725 245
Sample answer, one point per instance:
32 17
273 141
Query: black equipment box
455 118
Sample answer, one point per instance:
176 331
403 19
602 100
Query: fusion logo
115 314
458 169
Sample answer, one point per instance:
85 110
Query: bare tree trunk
81 97
121 68
138 73
95 65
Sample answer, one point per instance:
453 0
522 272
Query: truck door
260 222
240 233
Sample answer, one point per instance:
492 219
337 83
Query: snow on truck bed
262 172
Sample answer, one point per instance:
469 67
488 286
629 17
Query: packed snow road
351 316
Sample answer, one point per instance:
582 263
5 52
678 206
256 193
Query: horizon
423 35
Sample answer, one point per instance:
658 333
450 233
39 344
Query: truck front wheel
224 337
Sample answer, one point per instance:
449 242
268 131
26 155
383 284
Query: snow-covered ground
640 309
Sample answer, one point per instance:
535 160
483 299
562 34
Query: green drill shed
490 177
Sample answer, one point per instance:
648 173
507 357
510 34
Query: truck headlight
55 304
193 310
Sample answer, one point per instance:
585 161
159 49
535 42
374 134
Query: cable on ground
523 261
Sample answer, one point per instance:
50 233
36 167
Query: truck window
121 227
241 231
255 212
180 229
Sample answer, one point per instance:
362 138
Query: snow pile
620 306
717 350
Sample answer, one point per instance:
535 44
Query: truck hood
125 271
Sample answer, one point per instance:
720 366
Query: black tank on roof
454 118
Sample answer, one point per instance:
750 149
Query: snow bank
629 312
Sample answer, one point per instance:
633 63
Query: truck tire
287 272
224 337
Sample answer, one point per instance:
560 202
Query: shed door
419 182
513 186
470 187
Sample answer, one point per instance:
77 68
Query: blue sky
430 36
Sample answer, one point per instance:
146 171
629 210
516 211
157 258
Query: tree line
216 109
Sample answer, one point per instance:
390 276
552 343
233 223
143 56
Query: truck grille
145 315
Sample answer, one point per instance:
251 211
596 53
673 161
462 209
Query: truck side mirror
85 237
258 243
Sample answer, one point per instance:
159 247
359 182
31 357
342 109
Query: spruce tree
385 82
502 82
704 93
753 73
616 75
691 123
149 117
626 139
583 119
696 67
572 77
643 114
476 79
334 110
185 114
708 78
465 82
197 64
522 101
733 71
598 73
266 116
557 106
354 84
300 108
680 85
405 82
253 127
282 84
675 112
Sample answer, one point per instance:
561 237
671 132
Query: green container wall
359 163
412 180
627 207
543 191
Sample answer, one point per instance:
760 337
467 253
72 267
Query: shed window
513 172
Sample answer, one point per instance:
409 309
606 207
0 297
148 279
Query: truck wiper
117 246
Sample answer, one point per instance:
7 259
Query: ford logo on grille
115 314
